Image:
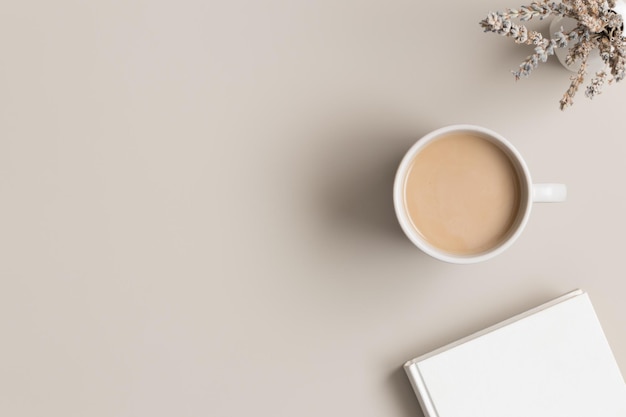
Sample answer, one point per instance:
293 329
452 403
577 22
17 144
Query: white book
552 361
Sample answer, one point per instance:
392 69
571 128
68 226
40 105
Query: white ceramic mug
528 194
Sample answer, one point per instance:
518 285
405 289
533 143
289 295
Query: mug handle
549 193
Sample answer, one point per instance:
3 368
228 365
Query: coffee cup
463 194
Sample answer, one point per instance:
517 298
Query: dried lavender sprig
580 51
544 49
617 59
602 77
541 54
539 10
498 23
577 80
595 85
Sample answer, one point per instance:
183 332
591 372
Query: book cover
551 361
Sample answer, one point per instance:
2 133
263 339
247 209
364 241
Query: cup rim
413 234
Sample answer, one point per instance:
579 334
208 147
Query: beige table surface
196 214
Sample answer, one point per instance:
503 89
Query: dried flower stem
577 80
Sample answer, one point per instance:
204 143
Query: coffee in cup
463 194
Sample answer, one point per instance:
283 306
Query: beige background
195 202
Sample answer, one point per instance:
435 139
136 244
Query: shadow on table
355 234
357 184
401 387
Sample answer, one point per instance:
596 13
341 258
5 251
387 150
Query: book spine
423 396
